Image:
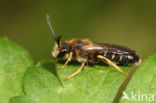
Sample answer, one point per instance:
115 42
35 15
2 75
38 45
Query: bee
86 51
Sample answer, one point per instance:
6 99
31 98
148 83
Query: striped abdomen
123 59
119 54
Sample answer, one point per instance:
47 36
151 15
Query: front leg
75 73
68 60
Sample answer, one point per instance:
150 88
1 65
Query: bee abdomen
123 59
129 59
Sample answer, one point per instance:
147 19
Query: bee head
61 50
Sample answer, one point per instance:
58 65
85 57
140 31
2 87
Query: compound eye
64 50
62 53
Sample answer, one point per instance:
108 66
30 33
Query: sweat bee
84 51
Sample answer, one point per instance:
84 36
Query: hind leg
109 62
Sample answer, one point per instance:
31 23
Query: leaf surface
14 61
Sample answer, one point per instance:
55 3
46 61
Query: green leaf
13 63
142 87
95 84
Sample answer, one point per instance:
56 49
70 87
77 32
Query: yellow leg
75 73
68 60
112 64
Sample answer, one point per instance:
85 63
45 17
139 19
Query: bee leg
68 60
109 62
75 73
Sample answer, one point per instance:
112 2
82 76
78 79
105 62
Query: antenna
52 31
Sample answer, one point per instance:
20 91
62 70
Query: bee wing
109 48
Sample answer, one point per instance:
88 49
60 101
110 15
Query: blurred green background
131 23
